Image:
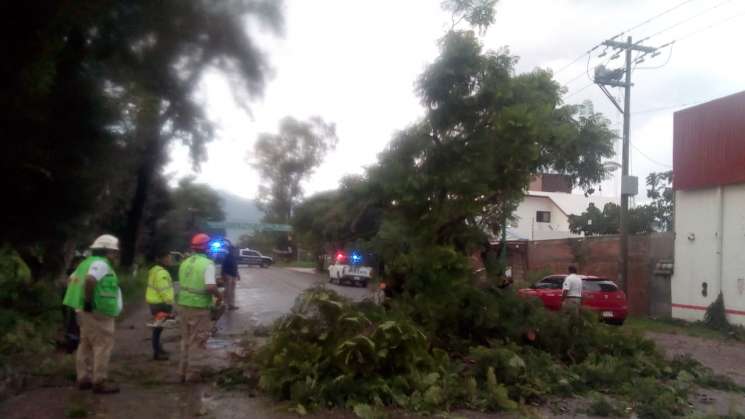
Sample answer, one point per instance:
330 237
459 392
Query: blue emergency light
356 258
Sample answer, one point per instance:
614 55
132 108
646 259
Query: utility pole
629 184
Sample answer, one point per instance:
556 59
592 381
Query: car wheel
364 284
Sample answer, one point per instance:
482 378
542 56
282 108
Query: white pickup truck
353 273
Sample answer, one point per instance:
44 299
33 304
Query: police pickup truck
350 270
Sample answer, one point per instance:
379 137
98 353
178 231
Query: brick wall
599 256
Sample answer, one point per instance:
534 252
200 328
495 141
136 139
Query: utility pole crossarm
629 45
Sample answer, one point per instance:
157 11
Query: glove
88 306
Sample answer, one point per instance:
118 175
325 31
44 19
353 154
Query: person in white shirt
571 295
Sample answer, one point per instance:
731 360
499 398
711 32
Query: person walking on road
194 299
159 296
230 276
95 295
571 295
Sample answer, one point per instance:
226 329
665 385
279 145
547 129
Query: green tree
478 13
655 216
156 54
329 220
285 159
461 168
95 93
594 222
188 206
55 117
659 189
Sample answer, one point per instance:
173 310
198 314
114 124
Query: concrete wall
699 231
599 256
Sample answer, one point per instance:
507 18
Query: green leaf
364 411
300 409
387 325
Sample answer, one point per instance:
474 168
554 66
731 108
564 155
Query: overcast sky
355 62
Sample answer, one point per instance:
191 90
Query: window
551 283
543 216
599 286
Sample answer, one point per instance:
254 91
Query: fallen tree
503 354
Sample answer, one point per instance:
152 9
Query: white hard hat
106 241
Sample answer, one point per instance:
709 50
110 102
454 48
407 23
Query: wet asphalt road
263 295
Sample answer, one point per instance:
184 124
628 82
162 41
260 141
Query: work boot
105 388
84 385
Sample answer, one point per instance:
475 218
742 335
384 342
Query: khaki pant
230 291
96 343
195 330
571 305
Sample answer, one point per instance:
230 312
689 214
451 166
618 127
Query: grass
673 326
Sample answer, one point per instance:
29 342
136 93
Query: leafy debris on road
330 352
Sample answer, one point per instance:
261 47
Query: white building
709 182
544 212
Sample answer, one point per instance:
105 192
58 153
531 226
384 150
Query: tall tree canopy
93 95
286 158
457 171
158 52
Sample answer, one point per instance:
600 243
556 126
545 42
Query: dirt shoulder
724 357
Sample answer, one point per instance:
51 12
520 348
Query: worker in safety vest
94 293
194 299
159 296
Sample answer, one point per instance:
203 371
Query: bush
481 349
330 352
29 310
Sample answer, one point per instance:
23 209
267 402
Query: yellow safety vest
159 286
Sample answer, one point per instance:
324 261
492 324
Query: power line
696 16
661 108
587 70
704 29
577 77
577 91
649 158
589 51
575 60
679 105
653 18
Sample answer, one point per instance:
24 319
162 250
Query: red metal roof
709 144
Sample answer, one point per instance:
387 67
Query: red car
598 294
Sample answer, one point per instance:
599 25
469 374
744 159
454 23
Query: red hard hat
199 241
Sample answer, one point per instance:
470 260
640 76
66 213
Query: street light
611 166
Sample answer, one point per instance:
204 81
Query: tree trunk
145 174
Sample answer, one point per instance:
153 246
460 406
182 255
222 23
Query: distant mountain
240 209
